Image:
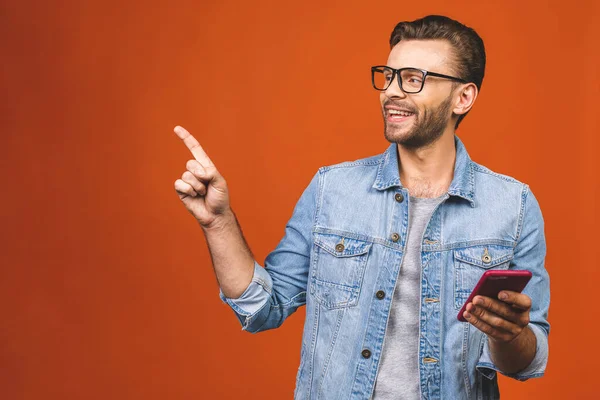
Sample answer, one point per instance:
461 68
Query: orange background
106 286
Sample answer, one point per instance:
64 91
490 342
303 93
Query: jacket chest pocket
470 263
338 267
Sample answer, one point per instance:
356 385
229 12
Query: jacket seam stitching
487 171
524 195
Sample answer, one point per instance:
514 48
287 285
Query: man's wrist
515 355
222 221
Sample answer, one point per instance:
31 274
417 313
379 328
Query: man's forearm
231 257
516 355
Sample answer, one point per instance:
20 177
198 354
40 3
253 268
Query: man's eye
413 79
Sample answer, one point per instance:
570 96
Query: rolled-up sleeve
254 298
529 254
278 289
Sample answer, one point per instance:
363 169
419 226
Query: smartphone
493 282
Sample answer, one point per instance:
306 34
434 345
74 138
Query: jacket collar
463 184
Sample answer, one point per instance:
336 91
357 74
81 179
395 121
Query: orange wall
106 287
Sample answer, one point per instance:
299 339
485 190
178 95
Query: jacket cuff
535 369
249 305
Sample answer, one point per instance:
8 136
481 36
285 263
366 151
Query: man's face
430 110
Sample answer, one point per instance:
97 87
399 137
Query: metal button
339 247
380 294
366 353
399 198
486 258
395 237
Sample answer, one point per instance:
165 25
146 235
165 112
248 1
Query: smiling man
384 251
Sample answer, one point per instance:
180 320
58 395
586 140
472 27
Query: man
384 251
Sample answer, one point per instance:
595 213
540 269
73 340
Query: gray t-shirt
398 375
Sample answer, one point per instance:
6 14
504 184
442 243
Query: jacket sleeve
278 289
529 254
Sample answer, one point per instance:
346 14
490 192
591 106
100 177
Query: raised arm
204 193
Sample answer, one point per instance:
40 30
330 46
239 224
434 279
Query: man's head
439 46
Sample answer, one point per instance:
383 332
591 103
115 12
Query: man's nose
394 90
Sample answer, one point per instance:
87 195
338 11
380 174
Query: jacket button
380 294
399 198
339 247
395 237
486 256
366 353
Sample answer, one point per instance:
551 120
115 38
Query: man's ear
465 98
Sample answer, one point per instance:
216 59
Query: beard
427 129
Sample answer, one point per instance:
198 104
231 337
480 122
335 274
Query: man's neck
428 171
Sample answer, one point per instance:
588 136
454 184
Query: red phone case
493 282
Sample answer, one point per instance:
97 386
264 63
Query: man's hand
502 320
512 344
201 188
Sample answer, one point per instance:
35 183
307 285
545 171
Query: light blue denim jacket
341 255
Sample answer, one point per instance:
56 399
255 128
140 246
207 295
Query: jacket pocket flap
340 246
484 256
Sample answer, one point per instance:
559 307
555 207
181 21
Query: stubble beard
429 126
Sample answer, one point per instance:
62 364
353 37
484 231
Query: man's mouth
394 115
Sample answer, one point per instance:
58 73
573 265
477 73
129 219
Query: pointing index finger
193 145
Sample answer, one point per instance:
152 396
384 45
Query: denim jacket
341 255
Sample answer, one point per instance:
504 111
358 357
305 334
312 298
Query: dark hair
469 52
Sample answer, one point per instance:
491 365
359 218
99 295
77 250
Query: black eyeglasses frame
396 73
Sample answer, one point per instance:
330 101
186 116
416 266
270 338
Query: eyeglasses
411 80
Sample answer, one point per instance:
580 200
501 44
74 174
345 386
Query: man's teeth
401 113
